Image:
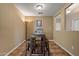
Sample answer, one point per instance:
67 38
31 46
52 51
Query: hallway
53 23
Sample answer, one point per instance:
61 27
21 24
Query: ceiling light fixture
39 7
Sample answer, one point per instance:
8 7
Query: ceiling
50 9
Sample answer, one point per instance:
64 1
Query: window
72 17
58 23
75 25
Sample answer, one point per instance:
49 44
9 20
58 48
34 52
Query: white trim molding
14 48
50 40
63 48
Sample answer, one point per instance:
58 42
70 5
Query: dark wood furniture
38 45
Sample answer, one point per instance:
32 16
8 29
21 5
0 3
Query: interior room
39 29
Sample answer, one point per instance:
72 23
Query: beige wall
66 39
47 26
12 28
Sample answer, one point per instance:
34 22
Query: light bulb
39 7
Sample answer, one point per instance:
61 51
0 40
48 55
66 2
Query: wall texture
67 39
12 28
47 22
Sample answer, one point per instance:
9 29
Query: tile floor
55 50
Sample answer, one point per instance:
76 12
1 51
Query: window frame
59 14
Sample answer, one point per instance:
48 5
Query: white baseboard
63 48
50 40
14 49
